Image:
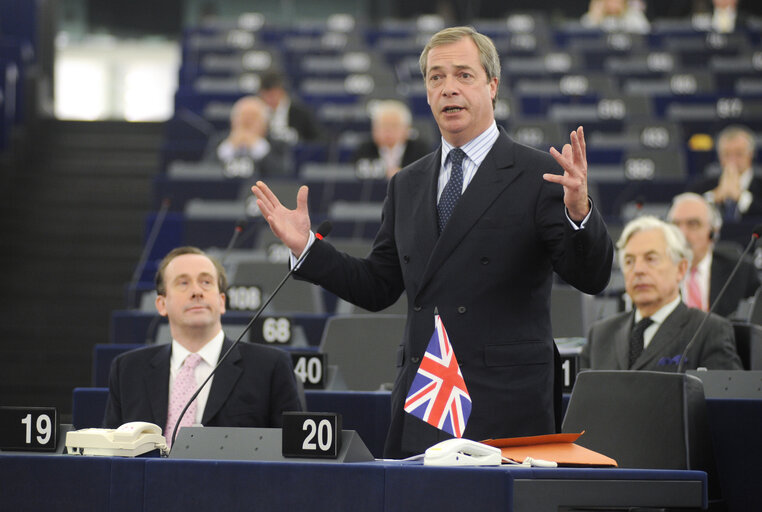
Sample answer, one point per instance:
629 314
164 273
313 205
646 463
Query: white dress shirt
657 318
210 355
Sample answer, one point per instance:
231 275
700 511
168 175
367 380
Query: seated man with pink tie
252 387
711 265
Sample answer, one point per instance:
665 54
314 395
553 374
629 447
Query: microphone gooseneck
239 227
158 222
754 236
322 231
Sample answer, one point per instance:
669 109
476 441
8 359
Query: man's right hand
292 227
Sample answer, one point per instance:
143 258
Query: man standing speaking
475 231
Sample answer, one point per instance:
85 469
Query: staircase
72 230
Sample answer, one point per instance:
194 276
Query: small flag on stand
438 394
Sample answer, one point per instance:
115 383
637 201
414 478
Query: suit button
415 359
416 308
461 309
406 258
485 261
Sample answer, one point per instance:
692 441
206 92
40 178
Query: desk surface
63 482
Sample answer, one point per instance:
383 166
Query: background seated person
736 192
654 257
711 266
290 120
616 16
390 147
252 387
726 17
247 150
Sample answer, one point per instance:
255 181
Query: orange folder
559 448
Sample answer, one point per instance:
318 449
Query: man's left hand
573 159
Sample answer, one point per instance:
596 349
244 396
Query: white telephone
129 440
462 452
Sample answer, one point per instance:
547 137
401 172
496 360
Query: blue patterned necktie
453 189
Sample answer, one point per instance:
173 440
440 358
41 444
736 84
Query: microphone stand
754 236
161 215
323 229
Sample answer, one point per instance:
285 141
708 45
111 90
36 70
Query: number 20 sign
311 434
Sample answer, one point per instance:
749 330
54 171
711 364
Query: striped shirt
476 150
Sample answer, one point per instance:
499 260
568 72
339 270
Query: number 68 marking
324 432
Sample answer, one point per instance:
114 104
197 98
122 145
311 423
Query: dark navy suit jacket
252 387
489 274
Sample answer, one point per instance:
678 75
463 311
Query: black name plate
310 368
570 367
311 434
28 428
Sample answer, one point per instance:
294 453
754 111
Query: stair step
73 224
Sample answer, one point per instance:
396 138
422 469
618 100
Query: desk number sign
570 367
309 367
313 435
28 428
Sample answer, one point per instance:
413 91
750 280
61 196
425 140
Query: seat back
294 297
749 344
364 349
642 419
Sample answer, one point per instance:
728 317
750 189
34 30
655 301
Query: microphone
754 236
323 230
161 216
239 227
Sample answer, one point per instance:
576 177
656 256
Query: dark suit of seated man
252 387
654 257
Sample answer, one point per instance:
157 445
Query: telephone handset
462 452
129 440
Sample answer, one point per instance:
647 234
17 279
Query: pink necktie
182 388
695 299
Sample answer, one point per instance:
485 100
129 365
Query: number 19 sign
28 428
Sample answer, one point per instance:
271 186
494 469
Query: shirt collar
661 314
210 353
472 148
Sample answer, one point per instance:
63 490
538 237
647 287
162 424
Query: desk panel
110 484
265 486
55 482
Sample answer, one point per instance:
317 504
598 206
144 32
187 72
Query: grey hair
677 247
715 219
733 131
380 108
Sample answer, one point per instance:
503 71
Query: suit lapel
622 341
223 382
423 194
157 378
664 341
487 184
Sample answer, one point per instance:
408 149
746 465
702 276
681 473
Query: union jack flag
438 394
